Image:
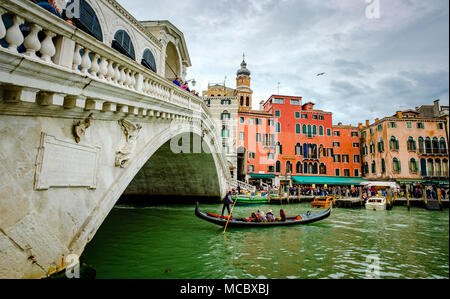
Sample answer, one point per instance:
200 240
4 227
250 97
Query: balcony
78 71
432 152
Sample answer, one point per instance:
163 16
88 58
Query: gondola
240 222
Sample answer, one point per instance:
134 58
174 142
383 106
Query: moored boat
376 203
322 202
241 222
243 200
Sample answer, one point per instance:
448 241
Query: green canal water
170 242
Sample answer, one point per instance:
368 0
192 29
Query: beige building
406 147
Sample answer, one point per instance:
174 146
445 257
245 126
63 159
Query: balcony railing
433 151
66 47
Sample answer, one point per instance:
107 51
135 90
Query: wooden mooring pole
407 199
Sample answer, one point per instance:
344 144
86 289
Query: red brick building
293 139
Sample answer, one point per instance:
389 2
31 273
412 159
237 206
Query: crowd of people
185 85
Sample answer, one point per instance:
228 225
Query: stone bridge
80 125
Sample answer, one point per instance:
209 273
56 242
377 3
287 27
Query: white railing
235 183
68 51
68 47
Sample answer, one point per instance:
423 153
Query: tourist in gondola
282 215
270 216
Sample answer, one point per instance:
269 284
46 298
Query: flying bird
320 74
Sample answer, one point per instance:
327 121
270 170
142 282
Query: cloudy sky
376 62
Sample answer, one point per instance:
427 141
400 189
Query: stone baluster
103 69
145 86
95 67
2 26
117 75
127 82
85 62
133 80
111 72
47 47
76 58
31 42
14 36
123 76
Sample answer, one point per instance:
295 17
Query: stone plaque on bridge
65 164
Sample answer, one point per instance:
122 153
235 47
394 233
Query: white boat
376 203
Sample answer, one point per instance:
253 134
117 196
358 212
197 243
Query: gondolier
226 203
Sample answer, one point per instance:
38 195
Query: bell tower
243 90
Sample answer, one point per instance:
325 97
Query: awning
321 180
435 183
262 176
423 182
409 181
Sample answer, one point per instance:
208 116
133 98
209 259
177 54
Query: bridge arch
133 179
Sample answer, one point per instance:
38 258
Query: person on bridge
226 203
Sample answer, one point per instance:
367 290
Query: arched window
297 129
394 144
288 167
428 147
437 167
421 145
242 101
122 43
315 168
304 130
225 115
305 168
435 145
396 167
372 147
320 131
310 168
279 148
148 60
430 167
278 167
247 101
298 149
364 150
443 145
298 167
88 21
445 168
366 168
413 167
411 144
383 166
374 167
423 167
309 131
381 146
314 130
278 128
323 168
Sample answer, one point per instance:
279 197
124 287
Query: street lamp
192 81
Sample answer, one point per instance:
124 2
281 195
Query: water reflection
170 242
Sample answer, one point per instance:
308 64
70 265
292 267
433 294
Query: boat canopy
322 180
381 184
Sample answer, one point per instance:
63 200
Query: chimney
377 120
360 126
339 124
436 108
261 106
399 114
367 123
